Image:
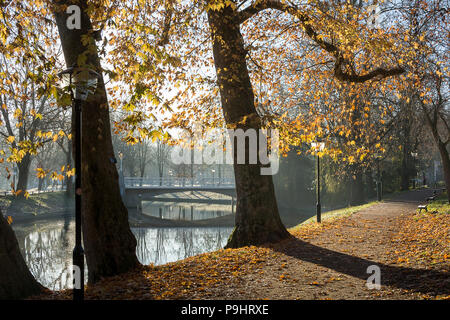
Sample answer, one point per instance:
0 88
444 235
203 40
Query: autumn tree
109 244
179 53
428 81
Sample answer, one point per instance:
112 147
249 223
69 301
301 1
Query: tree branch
167 23
306 23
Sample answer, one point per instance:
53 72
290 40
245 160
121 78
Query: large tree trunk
445 165
257 217
16 280
109 243
40 184
357 189
405 170
442 146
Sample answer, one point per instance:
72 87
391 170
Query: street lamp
319 146
85 82
121 178
213 174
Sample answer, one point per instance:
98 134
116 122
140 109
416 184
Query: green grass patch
37 203
336 214
440 204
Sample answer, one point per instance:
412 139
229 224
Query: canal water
47 245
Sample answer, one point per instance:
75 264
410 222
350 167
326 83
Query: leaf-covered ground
326 261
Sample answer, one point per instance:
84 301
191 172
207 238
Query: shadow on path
431 282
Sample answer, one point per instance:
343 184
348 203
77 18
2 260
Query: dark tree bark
109 243
23 172
445 165
257 217
16 280
357 189
40 184
432 117
405 169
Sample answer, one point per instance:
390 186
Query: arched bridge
135 190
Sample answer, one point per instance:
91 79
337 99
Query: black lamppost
121 177
319 146
84 81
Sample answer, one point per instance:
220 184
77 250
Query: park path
331 263
320 261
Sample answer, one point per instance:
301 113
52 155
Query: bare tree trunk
24 170
357 186
405 168
109 243
442 146
446 166
257 217
40 184
16 280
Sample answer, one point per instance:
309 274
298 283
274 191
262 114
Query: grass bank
440 205
36 204
330 216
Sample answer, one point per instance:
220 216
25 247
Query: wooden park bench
422 207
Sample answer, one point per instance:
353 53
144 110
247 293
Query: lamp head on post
84 80
318 146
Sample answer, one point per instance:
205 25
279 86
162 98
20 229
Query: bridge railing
131 182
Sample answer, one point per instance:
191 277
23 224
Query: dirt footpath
331 261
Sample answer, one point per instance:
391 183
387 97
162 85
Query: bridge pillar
121 184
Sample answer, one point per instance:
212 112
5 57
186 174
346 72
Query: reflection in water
162 245
47 250
185 210
47 247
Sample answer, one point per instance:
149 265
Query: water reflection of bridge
136 190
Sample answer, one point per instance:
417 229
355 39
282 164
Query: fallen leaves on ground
424 240
421 242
